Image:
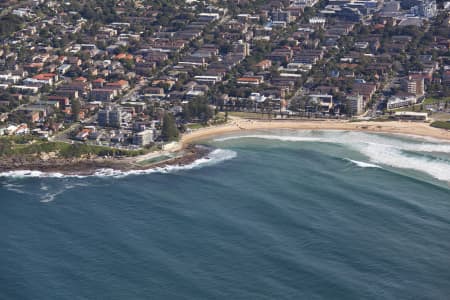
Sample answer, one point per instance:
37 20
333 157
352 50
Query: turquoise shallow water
273 215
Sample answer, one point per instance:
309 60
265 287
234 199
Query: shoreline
423 130
186 151
88 167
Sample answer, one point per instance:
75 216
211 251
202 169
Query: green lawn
432 100
415 108
194 126
249 115
441 124
15 146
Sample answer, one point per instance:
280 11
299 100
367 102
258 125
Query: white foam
44 187
444 148
51 196
362 164
283 138
394 157
390 151
380 149
14 188
34 174
215 157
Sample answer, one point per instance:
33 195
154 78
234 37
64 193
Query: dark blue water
281 220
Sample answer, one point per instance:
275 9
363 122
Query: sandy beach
394 127
185 152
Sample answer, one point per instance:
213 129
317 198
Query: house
75 61
208 79
367 90
63 101
154 91
98 83
123 56
145 68
282 55
63 69
103 95
33 116
83 134
194 94
193 60
251 80
264 64
307 56
156 56
45 109
45 78
26 89
324 102
209 17
8 77
69 93
82 88
121 85
138 107
21 129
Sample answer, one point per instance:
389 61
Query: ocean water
268 215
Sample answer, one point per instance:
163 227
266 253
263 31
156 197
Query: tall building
414 86
110 117
143 138
103 117
115 118
356 103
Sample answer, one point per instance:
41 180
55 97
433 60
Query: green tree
169 130
187 114
9 24
76 108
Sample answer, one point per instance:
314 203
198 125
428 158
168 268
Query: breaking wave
215 157
428 156
43 192
14 188
362 164
31 174
51 196
271 137
401 152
